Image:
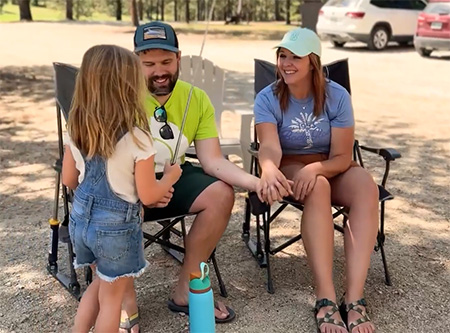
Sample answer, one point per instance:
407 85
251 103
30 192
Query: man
204 191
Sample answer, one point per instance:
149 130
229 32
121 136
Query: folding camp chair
65 83
261 247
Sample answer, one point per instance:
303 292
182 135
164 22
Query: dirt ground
400 99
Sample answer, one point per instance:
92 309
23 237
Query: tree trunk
25 11
162 10
134 13
277 10
187 11
69 10
250 12
199 10
239 8
140 8
288 11
175 11
148 9
119 10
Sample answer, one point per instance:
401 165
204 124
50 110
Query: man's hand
164 201
273 186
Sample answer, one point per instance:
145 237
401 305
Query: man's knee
217 196
221 194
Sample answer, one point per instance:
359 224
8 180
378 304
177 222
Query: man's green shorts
192 182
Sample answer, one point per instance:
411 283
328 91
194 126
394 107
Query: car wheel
379 38
424 52
338 44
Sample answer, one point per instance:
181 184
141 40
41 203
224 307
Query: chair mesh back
65 76
265 73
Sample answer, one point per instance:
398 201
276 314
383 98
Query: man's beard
162 90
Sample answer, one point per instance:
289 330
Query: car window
384 3
399 4
342 3
442 8
417 4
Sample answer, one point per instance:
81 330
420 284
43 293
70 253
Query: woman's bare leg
318 238
356 190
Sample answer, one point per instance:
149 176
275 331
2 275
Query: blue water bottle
201 302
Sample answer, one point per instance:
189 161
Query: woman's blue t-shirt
299 130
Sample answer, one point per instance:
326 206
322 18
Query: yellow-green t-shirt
200 123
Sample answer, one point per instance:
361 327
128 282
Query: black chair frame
65 82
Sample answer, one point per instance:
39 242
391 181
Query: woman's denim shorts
104 233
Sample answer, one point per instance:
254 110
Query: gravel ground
401 100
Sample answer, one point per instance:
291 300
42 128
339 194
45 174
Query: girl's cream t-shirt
120 166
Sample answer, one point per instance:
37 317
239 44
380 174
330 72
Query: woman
305 127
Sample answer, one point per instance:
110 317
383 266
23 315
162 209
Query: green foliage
105 10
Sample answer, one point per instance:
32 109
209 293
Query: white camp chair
211 79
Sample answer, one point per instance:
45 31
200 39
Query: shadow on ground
33 84
416 247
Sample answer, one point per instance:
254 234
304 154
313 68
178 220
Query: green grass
10 13
253 30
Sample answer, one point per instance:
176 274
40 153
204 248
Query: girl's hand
164 201
273 186
304 181
173 172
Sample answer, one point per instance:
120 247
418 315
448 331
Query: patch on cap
294 36
154 33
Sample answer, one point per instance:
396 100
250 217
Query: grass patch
10 13
251 31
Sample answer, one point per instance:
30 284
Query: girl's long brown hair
318 86
108 100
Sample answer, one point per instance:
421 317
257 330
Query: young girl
109 161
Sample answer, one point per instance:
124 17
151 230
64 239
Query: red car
433 28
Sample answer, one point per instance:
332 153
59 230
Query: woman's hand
304 181
273 186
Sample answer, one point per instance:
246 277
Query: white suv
374 22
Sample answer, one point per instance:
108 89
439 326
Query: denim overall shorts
104 229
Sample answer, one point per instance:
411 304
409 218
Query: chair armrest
252 150
243 112
389 154
245 136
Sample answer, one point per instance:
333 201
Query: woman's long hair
108 101
318 86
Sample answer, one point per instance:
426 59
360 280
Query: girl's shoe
128 323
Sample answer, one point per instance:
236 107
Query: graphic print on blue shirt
300 132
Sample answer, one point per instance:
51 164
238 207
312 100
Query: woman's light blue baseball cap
301 42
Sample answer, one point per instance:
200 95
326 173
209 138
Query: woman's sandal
327 318
128 323
344 309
